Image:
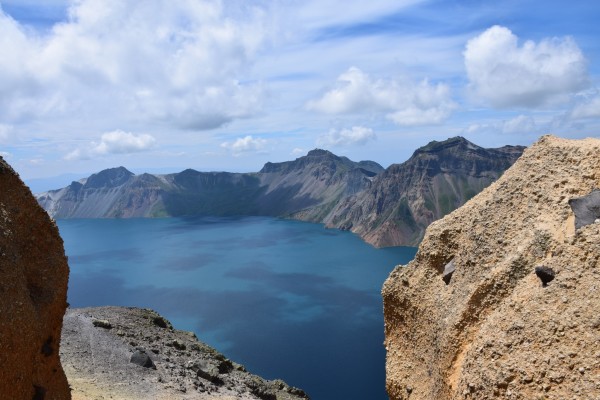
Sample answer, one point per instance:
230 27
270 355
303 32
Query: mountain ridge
318 187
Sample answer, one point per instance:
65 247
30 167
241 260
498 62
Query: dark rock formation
141 358
586 209
546 274
33 287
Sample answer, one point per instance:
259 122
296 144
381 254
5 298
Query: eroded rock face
33 289
496 331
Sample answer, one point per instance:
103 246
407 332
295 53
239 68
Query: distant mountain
386 207
403 200
279 189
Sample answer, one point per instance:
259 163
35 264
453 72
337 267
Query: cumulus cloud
245 145
358 135
297 151
404 102
505 74
115 142
182 62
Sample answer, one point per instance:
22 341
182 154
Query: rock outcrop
33 291
518 317
135 354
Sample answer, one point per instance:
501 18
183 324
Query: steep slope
317 180
135 354
492 328
33 295
402 201
114 192
278 189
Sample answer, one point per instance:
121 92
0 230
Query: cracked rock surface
136 354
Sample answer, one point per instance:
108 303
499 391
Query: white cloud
119 142
245 145
298 151
5 154
508 75
179 62
115 142
588 109
358 135
404 102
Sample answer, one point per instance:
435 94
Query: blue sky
229 85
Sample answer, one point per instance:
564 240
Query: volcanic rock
545 274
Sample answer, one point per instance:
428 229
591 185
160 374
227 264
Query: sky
161 85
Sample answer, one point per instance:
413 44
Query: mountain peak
319 153
457 141
110 177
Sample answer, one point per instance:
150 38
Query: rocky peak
435 146
111 177
316 157
320 153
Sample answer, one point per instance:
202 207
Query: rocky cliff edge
33 296
469 317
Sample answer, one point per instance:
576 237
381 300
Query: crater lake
286 299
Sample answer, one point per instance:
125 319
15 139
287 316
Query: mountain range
386 207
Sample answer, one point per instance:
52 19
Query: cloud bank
505 74
403 102
247 144
180 62
115 142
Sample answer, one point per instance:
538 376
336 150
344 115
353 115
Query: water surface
287 299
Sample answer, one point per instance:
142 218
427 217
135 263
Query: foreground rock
135 354
498 329
33 287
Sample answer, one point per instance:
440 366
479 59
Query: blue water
287 299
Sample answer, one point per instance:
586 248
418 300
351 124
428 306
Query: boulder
33 294
141 358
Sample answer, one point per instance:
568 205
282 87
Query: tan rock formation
33 289
494 331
